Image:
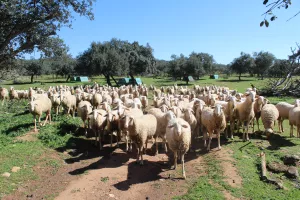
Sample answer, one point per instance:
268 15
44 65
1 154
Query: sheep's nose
125 126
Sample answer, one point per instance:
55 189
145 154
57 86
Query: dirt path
113 174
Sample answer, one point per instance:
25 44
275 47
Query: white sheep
133 112
96 100
140 129
294 120
144 101
191 119
55 99
69 104
98 122
113 119
162 122
178 134
258 105
3 94
213 120
269 115
284 108
37 107
230 112
245 113
83 110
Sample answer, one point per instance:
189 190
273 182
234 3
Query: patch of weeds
156 185
104 179
75 190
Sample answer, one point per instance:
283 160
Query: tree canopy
242 64
26 25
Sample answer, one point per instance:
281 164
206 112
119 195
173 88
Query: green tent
80 78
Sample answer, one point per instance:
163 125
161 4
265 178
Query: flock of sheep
179 115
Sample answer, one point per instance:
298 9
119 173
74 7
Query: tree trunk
114 80
32 78
69 76
240 76
107 79
132 77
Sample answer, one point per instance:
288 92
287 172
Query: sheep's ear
90 113
184 126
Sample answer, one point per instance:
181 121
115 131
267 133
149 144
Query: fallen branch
264 176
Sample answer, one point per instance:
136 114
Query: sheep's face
232 100
164 108
177 127
32 105
251 96
128 121
188 113
218 110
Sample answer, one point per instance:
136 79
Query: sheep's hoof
173 167
219 148
141 163
184 176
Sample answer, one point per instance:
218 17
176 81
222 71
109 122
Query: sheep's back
269 114
284 108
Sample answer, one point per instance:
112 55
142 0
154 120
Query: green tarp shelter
214 76
80 78
191 78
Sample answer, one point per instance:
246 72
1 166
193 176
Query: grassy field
15 121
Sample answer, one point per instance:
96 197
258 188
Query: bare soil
87 173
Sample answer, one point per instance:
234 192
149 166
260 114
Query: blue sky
218 27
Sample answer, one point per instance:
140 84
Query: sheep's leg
219 145
209 142
291 131
138 155
126 138
46 119
84 126
142 149
232 128
40 120
35 129
68 113
165 144
175 159
257 124
205 138
50 117
130 145
118 133
281 126
182 163
156 146
298 131
247 130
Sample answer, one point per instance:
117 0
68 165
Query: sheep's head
189 112
128 121
250 95
218 110
164 108
32 105
177 127
232 101
268 132
170 115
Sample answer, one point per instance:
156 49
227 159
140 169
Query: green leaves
266 23
262 23
265 2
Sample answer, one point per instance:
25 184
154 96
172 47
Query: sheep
55 99
97 100
140 129
213 120
97 122
164 108
69 103
107 98
144 101
191 119
245 113
83 110
178 134
294 120
13 94
3 95
284 109
37 107
269 115
258 105
130 112
162 122
230 111
113 125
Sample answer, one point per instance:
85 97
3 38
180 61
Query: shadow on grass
236 80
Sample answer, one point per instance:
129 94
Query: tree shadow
235 80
